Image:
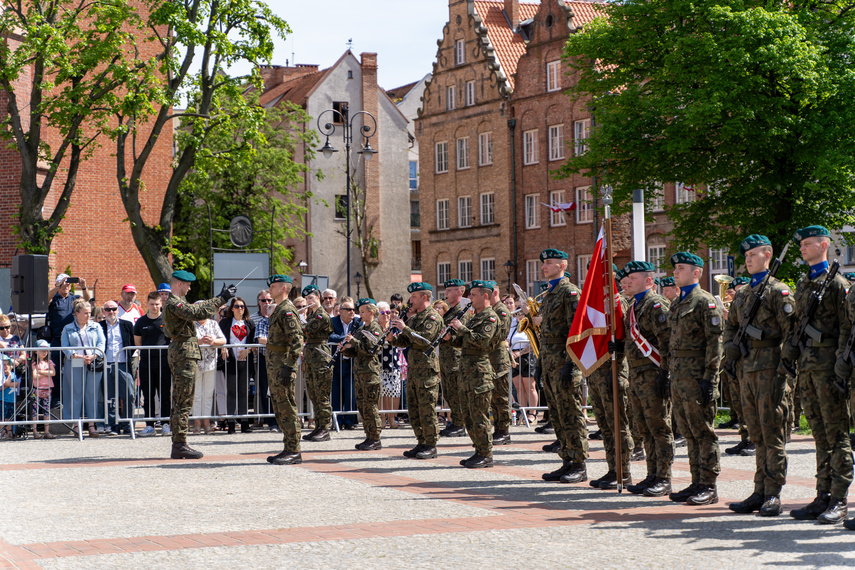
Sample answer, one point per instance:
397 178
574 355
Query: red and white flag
588 340
565 207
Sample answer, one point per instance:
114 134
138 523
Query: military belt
277 347
641 362
765 343
182 338
810 343
690 353
554 340
470 352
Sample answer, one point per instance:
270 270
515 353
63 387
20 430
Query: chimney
371 167
512 13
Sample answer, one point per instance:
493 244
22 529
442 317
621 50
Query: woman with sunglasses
238 329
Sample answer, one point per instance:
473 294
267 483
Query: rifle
341 345
805 328
459 312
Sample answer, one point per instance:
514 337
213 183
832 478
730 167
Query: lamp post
510 266
302 267
358 279
367 152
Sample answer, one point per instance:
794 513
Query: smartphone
73 280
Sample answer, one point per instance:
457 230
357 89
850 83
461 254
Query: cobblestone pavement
118 503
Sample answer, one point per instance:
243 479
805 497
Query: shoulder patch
785 292
574 293
320 317
492 320
288 313
715 321
788 308
846 291
179 304
711 305
657 305
662 318
432 317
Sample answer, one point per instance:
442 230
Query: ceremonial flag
588 341
565 207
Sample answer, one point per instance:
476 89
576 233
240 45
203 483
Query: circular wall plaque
240 231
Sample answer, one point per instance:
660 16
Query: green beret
494 284
810 231
482 285
752 241
419 286
365 301
667 282
567 275
309 289
656 280
850 276
737 282
185 276
454 283
687 258
278 279
638 267
619 274
552 254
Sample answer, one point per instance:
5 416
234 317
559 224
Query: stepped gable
506 44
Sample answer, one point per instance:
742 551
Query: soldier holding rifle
449 361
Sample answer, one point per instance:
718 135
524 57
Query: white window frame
683 195
553 76
488 208
441 157
656 256
657 204
470 93
485 149
488 269
443 272
463 153
443 221
532 211
530 147
718 261
464 211
532 272
459 52
556 142
582 262
557 219
464 270
450 98
581 133
584 205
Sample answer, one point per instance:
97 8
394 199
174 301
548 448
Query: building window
442 214
582 262
718 261
556 218
656 256
584 205
459 52
532 211
657 204
415 215
488 269
582 131
340 206
850 252
464 211
485 149
487 209
464 270
684 193
530 147
450 98
463 153
414 175
556 142
340 115
470 93
443 272
416 262
553 77
441 157
532 272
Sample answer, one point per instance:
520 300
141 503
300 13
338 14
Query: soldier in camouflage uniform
367 372
826 412
316 356
179 322
284 344
763 388
500 360
731 388
449 362
695 355
562 380
843 368
649 387
422 369
475 340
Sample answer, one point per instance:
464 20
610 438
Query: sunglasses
346 309
238 306
385 312
328 298
5 328
265 300
110 309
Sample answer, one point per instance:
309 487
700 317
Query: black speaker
30 284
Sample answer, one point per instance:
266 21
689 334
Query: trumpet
526 325
723 281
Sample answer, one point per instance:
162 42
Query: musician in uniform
367 372
562 380
316 356
500 360
762 386
695 354
449 362
648 336
816 353
422 370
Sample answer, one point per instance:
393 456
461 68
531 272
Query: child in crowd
10 391
43 373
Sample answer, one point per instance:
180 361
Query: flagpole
610 287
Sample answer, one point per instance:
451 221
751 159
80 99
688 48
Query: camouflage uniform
652 413
475 339
319 378
564 400
826 411
732 389
500 360
422 374
284 344
695 346
763 389
601 394
179 323
367 372
449 367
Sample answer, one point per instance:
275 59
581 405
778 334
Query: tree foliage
752 100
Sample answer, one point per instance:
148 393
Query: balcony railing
415 220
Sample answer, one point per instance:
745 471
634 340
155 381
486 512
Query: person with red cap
129 310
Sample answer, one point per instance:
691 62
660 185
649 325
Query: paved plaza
117 503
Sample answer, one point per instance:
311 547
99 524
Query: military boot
749 505
558 473
369 445
610 485
705 495
609 476
452 430
286 458
679 440
501 438
180 450
479 462
661 487
410 454
463 461
320 435
639 487
850 524
734 421
553 447
771 506
638 454
578 472
681 496
426 452
737 449
835 513
596 434
311 434
812 510
545 428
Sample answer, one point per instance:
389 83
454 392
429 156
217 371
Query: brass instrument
723 281
526 324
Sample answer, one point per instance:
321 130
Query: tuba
526 324
723 281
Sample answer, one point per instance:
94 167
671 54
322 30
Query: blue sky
403 33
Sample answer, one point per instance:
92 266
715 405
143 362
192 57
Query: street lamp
510 266
367 152
302 267
358 279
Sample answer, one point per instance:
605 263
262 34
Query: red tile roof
295 90
509 46
584 12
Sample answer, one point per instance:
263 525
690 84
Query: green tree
255 184
752 100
